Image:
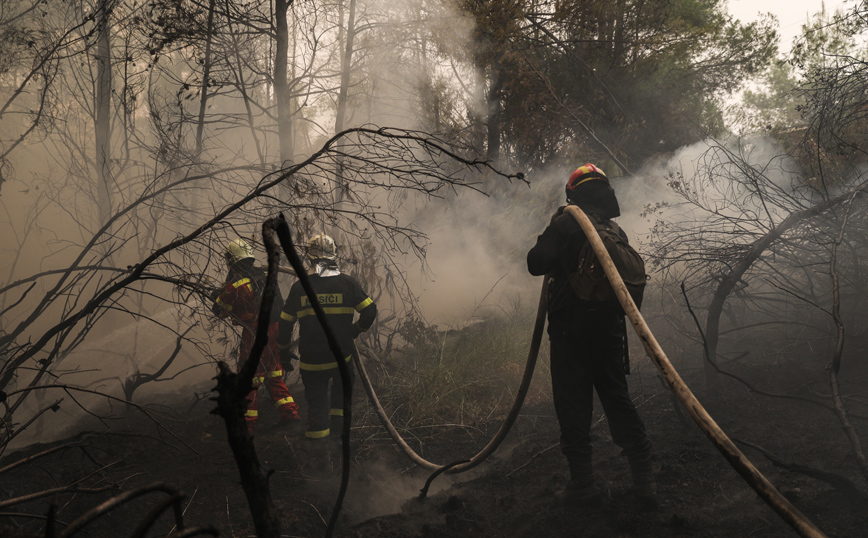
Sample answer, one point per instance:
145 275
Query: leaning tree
769 245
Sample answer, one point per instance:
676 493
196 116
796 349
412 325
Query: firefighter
340 296
587 347
239 299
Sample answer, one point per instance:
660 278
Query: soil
510 495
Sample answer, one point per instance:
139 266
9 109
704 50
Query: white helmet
321 247
236 251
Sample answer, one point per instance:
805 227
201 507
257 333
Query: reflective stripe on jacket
340 296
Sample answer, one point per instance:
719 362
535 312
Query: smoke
478 243
105 361
382 488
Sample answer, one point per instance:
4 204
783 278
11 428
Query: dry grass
466 375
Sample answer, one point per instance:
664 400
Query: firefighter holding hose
587 346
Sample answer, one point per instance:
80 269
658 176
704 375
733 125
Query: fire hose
498 438
709 427
786 510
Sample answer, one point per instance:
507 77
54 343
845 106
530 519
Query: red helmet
582 174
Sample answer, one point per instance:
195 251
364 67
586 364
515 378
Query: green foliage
827 39
774 105
640 77
461 375
785 97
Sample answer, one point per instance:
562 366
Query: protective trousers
587 354
270 373
325 412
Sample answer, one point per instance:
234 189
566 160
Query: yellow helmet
236 251
321 247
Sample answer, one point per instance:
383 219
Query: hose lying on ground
719 439
498 438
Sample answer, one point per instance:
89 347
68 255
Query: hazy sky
792 14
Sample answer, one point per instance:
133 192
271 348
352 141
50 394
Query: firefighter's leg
336 411
316 394
277 389
252 412
572 391
628 430
283 400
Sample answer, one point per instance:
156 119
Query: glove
286 356
559 212
215 292
355 331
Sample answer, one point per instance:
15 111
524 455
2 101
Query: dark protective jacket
341 297
556 252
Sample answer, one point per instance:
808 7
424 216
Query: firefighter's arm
543 257
285 326
367 314
222 306
284 341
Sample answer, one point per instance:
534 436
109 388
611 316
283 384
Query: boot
579 493
581 489
644 486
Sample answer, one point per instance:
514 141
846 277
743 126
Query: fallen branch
841 483
105 507
68 388
38 455
535 456
71 488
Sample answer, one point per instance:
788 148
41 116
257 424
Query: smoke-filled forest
146 146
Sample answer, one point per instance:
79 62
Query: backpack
589 281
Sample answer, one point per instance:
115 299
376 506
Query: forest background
432 140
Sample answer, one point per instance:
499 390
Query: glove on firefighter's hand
215 292
355 331
286 357
559 212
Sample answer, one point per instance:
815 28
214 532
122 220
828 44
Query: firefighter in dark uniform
587 347
340 296
239 299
